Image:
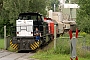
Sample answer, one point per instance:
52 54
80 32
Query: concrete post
54 7
5 41
73 38
54 37
8 41
73 47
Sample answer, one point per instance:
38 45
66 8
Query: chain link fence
82 46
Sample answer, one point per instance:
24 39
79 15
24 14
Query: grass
1 43
46 56
11 49
63 53
2 46
52 56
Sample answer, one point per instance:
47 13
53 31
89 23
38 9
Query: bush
63 46
83 34
11 49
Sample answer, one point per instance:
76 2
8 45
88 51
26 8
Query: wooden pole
5 41
54 37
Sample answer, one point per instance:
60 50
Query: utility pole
73 38
54 7
54 37
5 41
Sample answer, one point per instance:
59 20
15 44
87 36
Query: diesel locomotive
24 38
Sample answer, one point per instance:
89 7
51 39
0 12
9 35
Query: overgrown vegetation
11 49
62 51
83 15
1 43
49 55
9 10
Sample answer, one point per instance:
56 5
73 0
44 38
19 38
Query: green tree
67 1
10 10
38 6
17 6
1 4
83 15
51 4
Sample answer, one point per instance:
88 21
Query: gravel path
6 55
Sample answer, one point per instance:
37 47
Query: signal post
73 38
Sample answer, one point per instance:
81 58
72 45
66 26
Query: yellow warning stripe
32 46
14 46
10 42
37 44
11 45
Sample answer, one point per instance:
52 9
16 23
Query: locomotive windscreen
28 16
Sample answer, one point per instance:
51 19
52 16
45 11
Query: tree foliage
10 9
51 5
83 15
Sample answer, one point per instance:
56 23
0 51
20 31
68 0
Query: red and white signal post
73 44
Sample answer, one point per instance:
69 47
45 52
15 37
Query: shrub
83 34
63 46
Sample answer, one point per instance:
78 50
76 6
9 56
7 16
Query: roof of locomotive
30 13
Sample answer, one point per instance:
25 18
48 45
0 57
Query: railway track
6 55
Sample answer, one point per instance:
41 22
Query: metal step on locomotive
23 37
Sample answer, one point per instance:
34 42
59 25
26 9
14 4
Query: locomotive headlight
31 32
17 32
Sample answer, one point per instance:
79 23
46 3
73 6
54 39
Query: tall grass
1 43
63 45
62 51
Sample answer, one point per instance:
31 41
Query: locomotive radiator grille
14 46
35 45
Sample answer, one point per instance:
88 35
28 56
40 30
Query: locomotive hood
24 27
